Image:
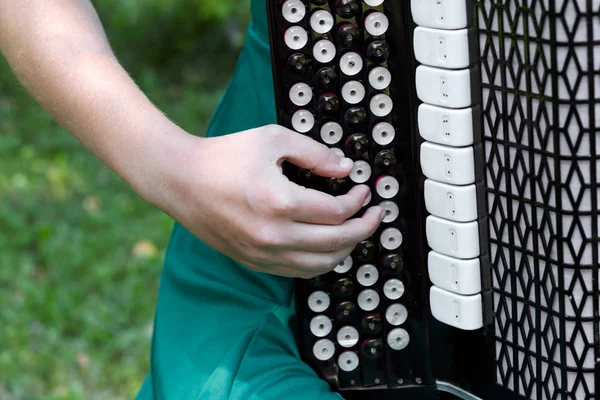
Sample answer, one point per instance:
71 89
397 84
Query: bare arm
59 51
248 211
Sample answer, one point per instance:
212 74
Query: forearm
58 50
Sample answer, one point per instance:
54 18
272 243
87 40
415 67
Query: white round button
396 314
367 275
295 37
376 23
324 349
344 266
321 21
293 11
398 339
380 78
387 186
331 132
374 3
320 325
383 133
318 301
361 172
391 238
303 121
348 361
368 300
381 105
300 94
324 51
368 199
351 63
347 336
353 92
391 211
393 289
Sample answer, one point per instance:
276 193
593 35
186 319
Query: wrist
163 163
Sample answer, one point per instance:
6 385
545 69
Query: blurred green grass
80 253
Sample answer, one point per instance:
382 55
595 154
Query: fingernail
383 215
368 199
337 152
346 163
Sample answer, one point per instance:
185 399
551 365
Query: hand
234 197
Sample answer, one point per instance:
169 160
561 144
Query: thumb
307 153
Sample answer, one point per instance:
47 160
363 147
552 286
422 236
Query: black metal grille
540 70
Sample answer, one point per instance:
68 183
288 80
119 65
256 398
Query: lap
223 332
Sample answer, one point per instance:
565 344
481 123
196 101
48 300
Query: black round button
364 251
347 8
345 312
328 104
318 282
343 287
372 349
327 78
385 159
348 37
306 177
305 174
393 263
336 185
355 116
298 63
371 325
356 145
378 51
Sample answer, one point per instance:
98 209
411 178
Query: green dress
222 331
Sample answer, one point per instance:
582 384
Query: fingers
316 207
307 265
307 153
311 250
326 238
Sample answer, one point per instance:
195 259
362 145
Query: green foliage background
80 253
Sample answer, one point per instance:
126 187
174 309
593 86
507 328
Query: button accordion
476 126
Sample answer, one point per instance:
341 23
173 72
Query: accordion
476 125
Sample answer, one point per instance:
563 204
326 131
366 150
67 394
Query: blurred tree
171 35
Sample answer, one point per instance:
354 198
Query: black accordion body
476 125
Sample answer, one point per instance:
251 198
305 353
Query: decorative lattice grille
540 67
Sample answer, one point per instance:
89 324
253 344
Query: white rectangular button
443 14
442 48
455 275
462 312
452 165
451 127
456 203
444 87
454 239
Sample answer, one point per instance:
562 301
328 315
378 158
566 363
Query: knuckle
276 132
339 213
281 203
338 242
273 201
266 236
